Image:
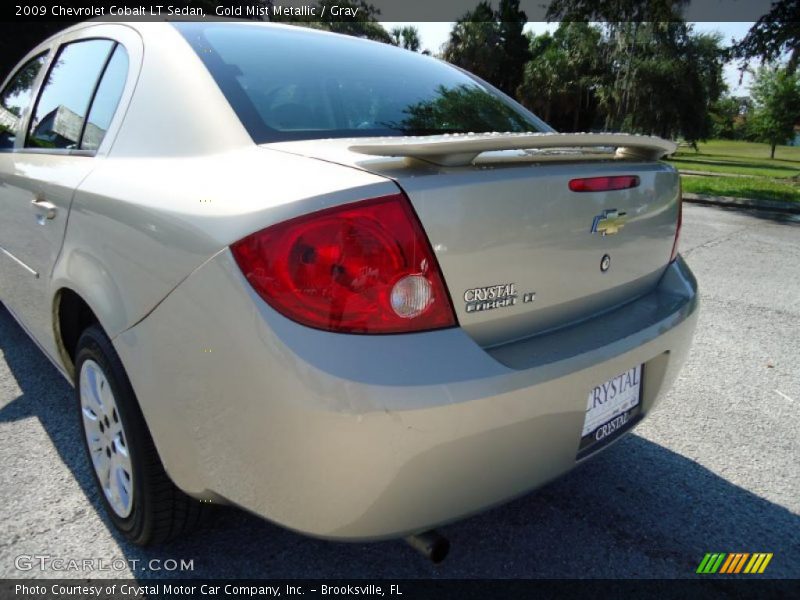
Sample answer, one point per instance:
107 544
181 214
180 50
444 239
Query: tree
729 117
666 78
491 44
772 35
541 87
406 37
661 78
701 59
776 94
514 44
474 43
561 79
616 11
646 77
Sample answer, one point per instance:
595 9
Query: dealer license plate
612 407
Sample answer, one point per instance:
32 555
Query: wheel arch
72 314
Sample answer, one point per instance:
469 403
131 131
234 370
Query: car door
16 98
66 125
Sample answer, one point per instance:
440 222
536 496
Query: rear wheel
141 500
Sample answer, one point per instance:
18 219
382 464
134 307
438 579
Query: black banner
713 587
21 11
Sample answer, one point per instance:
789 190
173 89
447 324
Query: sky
434 35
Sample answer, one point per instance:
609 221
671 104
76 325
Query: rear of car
349 288
508 302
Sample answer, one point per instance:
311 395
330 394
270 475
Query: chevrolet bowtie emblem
609 222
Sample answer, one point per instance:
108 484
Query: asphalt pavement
716 468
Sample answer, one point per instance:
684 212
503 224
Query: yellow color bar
752 563
758 563
765 563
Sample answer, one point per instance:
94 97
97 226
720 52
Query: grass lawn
744 158
771 179
742 187
753 150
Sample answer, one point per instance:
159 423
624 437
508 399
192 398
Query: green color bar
701 568
711 562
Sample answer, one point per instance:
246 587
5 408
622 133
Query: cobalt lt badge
605 263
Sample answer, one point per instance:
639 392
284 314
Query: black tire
160 511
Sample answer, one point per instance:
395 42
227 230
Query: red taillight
674 254
603 184
365 267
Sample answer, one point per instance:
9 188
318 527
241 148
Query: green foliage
560 81
514 44
650 77
23 80
491 44
729 117
406 37
776 94
772 35
666 78
616 10
645 70
474 43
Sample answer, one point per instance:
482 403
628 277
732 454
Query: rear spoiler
453 150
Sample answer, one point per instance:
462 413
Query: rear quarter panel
176 180
138 227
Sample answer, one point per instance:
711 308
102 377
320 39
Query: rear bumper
369 437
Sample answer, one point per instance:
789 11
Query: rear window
16 97
58 119
289 83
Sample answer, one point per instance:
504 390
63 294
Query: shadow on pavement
638 510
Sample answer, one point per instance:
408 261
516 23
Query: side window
16 97
60 112
106 99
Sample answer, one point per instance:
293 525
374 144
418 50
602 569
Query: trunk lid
520 252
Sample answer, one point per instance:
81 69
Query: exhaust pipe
431 544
